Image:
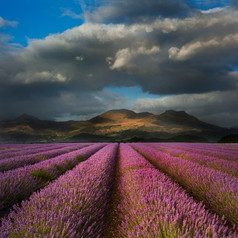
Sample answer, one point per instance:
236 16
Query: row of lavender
75 205
37 155
18 184
149 203
163 208
29 149
224 151
217 189
225 165
15 147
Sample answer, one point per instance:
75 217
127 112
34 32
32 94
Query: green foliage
41 157
80 158
70 164
43 174
60 169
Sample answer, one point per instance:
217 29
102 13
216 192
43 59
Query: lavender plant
23 160
75 205
19 184
152 205
227 166
218 190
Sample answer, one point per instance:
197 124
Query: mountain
114 125
24 118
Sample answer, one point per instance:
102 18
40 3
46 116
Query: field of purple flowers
111 190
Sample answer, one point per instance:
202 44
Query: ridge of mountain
113 125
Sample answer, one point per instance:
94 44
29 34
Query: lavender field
111 190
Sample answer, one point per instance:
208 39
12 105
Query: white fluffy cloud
138 60
200 47
32 77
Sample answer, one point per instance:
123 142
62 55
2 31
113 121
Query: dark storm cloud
47 101
234 3
215 107
66 73
193 54
130 11
93 56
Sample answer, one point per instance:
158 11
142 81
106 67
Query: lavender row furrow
152 205
218 190
19 184
23 160
75 205
227 166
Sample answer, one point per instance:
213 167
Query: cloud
201 47
31 77
79 58
234 3
131 11
164 53
213 10
215 107
4 23
133 59
5 38
70 13
56 103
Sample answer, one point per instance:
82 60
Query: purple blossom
19 184
217 189
224 164
65 197
152 205
75 205
27 159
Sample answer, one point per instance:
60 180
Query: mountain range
114 125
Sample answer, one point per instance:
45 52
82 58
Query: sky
75 59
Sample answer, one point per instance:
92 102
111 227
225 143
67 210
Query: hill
232 138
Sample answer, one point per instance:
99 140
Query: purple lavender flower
19 184
152 205
35 157
217 189
75 205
